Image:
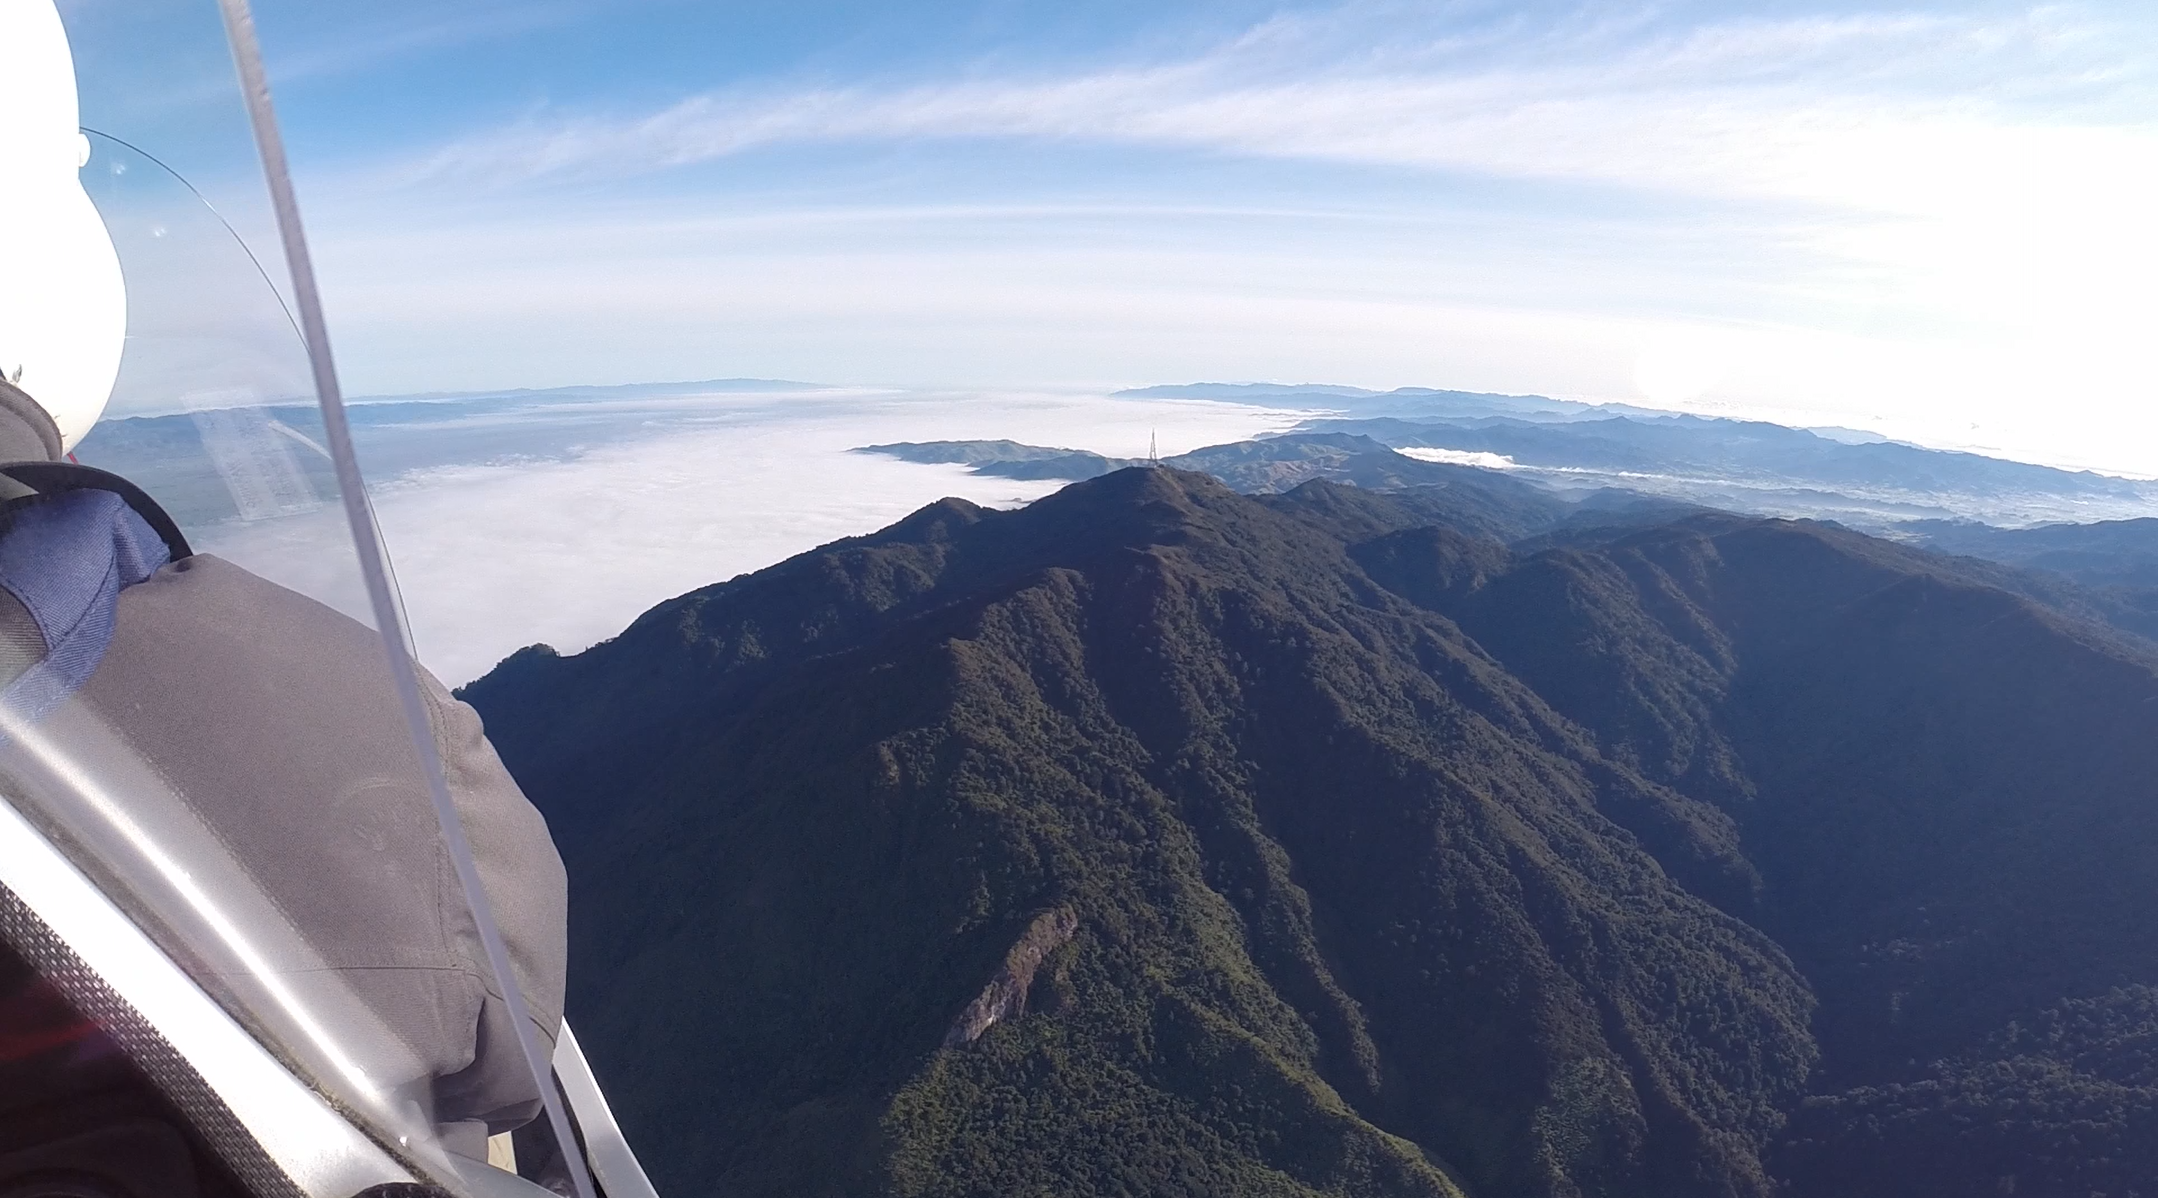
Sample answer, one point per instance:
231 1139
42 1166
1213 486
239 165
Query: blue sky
1925 219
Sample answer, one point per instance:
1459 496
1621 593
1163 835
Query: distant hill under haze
1489 501
1570 448
1160 839
2105 571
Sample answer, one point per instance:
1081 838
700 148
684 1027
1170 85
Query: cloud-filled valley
664 496
516 518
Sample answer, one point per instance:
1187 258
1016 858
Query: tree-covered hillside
1155 839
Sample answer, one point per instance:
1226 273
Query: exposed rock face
1005 997
1719 859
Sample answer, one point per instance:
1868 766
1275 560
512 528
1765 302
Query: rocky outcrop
1005 997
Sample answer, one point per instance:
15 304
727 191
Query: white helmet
63 306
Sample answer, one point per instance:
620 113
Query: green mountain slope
1156 839
1947 790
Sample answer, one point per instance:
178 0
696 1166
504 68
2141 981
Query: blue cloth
66 558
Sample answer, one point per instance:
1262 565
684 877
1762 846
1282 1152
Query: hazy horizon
1921 219
561 518
567 548
1949 445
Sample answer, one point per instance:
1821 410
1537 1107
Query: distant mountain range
1456 838
1493 503
1402 401
1571 448
2113 553
1770 469
2106 571
1856 478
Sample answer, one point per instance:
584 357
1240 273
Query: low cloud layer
494 557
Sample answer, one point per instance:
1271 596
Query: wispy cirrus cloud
1892 112
1916 218
386 33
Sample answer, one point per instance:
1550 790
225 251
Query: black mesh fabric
175 1079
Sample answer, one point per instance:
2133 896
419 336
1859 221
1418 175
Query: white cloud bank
1459 457
491 558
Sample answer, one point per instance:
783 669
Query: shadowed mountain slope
2112 564
1159 839
1947 791
2120 553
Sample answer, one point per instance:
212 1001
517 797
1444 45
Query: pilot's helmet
63 306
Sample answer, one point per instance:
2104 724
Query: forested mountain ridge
1158 839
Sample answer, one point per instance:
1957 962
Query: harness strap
51 478
66 558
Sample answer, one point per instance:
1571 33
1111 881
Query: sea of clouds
646 499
